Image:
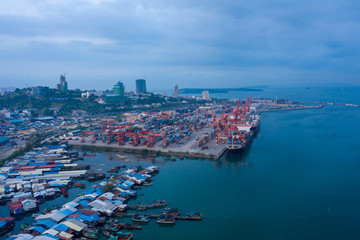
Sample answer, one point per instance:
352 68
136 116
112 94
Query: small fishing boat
160 203
91 233
113 170
166 219
35 215
132 226
6 224
107 233
122 235
194 215
142 207
120 166
147 184
111 227
141 218
82 186
171 211
24 226
65 192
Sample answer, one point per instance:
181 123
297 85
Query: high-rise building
205 95
119 89
176 91
62 86
140 86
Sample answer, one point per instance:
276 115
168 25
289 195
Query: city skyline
216 43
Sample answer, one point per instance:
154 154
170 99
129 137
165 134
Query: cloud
192 41
56 40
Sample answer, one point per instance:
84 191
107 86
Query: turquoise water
299 180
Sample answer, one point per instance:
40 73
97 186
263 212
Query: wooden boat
114 170
24 226
111 227
132 226
90 233
120 166
194 215
166 219
89 155
122 235
80 185
142 207
6 224
147 184
65 192
171 211
141 218
160 203
107 233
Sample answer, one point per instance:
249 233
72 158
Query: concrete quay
188 149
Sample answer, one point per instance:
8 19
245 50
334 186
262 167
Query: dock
156 216
188 149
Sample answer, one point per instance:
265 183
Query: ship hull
242 149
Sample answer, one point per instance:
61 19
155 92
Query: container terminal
206 131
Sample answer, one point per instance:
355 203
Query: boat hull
242 149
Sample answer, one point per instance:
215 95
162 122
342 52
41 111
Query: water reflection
233 160
229 160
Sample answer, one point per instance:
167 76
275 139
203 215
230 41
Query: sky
193 43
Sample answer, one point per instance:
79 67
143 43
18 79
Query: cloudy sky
194 43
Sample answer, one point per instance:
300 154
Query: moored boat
142 207
111 227
90 233
171 211
6 224
160 203
82 186
24 226
16 208
122 235
166 219
194 214
132 226
141 218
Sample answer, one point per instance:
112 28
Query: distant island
218 90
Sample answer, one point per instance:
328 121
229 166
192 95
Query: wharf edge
147 151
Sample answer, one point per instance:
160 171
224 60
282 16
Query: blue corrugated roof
48 223
54 146
86 218
66 212
51 236
61 227
83 202
4 139
39 229
2 224
90 191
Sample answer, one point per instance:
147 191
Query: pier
156 216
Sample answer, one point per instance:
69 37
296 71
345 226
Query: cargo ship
239 142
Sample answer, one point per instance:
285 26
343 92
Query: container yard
206 131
